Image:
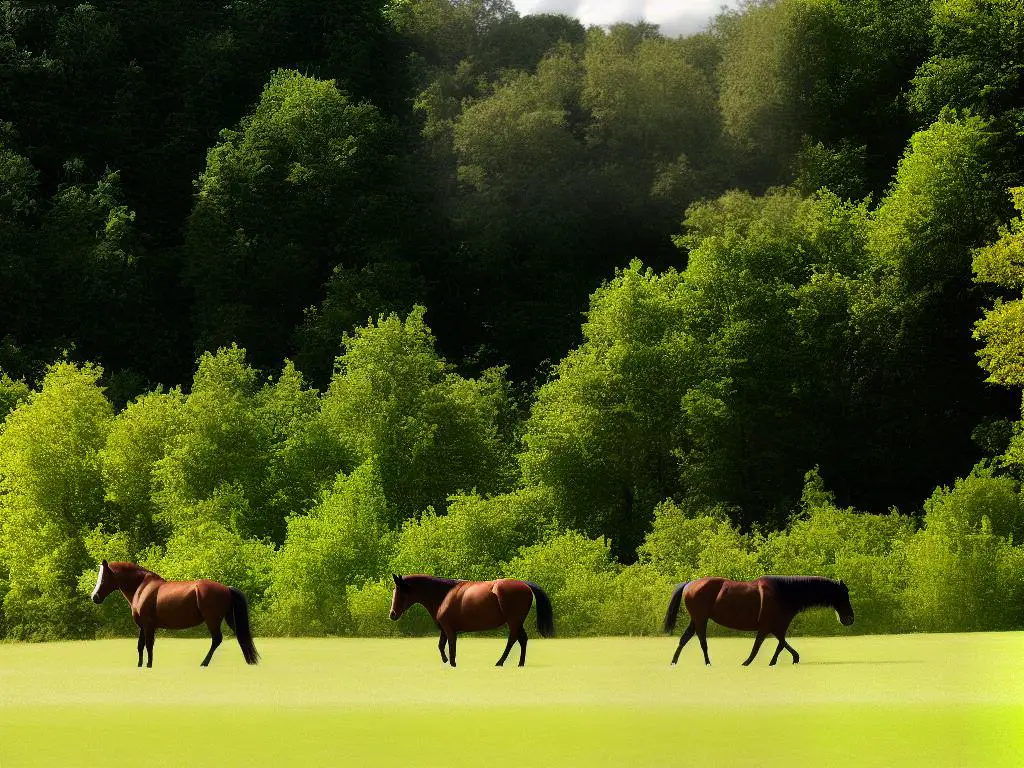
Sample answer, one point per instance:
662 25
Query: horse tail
238 620
545 616
673 607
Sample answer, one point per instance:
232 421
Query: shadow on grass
858 661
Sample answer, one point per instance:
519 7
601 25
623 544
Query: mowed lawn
909 700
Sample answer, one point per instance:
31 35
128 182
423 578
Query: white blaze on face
99 581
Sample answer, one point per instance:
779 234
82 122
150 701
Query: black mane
798 593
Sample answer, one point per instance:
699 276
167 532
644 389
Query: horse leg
150 637
522 646
451 647
142 643
702 635
508 646
687 634
215 640
440 647
757 646
791 649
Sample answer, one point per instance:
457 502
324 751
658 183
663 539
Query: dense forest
295 294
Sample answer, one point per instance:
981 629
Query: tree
430 432
257 451
943 202
299 188
831 71
1002 327
51 493
973 45
343 541
601 432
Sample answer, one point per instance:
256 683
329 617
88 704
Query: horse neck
129 579
819 593
430 593
803 592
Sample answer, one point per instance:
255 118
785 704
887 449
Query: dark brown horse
766 606
159 604
471 606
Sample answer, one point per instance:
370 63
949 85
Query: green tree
475 536
51 493
140 437
342 542
430 432
602 431
258 448
1002 328
976 50
299 188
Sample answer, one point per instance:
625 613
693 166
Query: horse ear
842 583
105 564
397 578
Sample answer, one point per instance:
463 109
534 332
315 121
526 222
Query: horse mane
124 567
798 593
427 580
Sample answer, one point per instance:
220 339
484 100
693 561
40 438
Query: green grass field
927 700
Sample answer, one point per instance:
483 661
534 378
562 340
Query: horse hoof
672 664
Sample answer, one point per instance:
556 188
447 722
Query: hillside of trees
294 295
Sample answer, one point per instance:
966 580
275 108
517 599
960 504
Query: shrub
475 537
577 573
341 542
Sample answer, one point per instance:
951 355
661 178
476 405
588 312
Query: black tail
545 616
238 620
673 607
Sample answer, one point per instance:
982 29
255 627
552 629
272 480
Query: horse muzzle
846 620
394 616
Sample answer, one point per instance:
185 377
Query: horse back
479 605
733 604
182 604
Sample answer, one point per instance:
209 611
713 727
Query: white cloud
675 17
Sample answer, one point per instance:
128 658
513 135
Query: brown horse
766 606
472 606
159 604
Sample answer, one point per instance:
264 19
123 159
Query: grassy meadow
929 700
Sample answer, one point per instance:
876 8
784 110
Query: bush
341 542
209 550
689 543
475 537
635 603
577 573
369 606
864 550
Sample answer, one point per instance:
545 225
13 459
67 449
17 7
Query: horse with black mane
766 605
472 606
160 604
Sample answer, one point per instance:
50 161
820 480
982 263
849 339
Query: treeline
188 182
309 502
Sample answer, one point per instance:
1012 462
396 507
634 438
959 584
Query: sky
675 17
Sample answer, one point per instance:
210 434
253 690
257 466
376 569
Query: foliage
475 536
51 490
576 572
249 184
340 543
432 432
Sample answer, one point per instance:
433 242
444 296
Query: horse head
844 610
106 582
401 598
